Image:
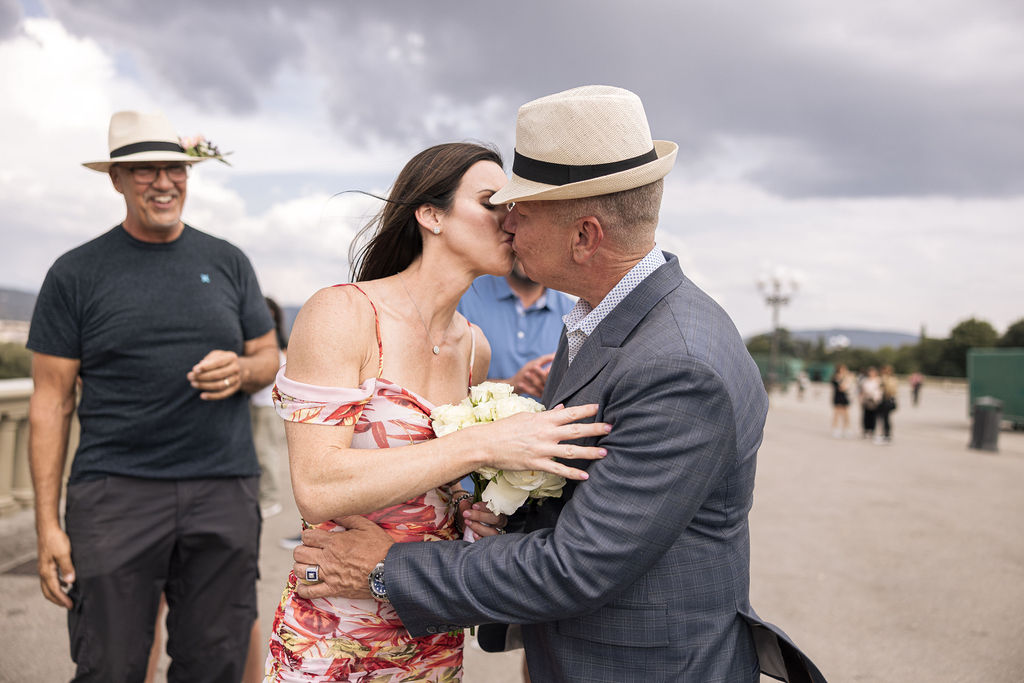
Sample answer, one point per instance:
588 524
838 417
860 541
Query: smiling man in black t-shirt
167 329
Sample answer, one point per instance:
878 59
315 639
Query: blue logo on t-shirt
204 278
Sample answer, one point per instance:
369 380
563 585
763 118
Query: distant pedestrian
887 405
802 381
842 383
870 397
916 380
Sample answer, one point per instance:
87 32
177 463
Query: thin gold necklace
436 348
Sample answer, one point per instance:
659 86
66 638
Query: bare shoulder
330 338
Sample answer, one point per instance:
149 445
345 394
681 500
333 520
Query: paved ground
897 563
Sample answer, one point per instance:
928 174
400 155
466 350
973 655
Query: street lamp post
777 289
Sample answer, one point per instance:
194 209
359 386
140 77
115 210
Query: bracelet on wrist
459 497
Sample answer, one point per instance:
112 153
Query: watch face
377 587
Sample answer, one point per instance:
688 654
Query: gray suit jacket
641 573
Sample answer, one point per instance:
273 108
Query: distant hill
16 305
860 339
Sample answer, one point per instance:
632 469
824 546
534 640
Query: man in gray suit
640 573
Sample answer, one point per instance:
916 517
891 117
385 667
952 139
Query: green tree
1014 335
906 359
15 361
762 343
820 353
788 346
970 334
929 354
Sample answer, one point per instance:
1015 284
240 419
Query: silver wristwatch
377 587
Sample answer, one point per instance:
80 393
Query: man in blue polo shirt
523 321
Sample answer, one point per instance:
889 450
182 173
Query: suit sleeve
672 439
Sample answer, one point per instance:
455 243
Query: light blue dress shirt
516 335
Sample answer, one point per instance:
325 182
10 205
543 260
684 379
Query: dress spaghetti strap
376 322
472 351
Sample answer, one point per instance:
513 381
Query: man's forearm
259 369
49 429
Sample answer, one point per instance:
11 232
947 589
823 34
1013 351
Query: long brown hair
430 177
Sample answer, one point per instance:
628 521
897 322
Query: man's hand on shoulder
344 558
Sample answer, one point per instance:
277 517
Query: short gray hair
629 217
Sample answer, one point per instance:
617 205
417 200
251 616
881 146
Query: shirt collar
584 318
504 291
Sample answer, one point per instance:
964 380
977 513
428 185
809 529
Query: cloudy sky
874 151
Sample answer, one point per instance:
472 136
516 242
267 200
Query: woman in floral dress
366 364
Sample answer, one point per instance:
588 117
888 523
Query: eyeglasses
148 174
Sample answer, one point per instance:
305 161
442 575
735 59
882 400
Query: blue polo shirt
516 335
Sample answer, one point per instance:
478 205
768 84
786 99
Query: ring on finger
227 381
311 574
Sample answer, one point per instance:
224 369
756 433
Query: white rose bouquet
503 491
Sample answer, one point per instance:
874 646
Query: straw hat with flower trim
584 142
135 136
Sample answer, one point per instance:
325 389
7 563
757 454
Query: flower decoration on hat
199 146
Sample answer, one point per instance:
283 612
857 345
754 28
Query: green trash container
987 413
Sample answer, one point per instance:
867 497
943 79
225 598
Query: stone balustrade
15 478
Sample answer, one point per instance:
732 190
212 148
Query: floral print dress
363 640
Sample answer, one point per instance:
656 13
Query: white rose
501 498
443 428
488 473
511 405
484 412
478 394
499 389
487 391
449 418
463 415
551 487
524 479
441 419
439 412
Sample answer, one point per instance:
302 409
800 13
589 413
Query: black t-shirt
138 316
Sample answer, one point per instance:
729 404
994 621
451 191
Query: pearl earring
437 230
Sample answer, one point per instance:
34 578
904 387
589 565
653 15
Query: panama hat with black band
588 141
135 137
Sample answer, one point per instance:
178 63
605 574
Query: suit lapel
557 370
592 357
607 339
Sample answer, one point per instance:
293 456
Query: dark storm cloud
836 122
10 18
219 54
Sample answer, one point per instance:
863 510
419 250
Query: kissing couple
640 571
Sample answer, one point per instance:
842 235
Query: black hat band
150 146
563 174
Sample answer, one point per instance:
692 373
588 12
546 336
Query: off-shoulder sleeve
300 402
